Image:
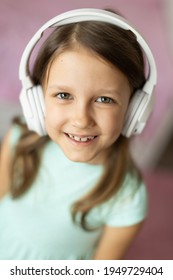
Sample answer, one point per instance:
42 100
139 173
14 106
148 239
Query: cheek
112 122
52 116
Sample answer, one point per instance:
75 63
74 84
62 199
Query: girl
75 193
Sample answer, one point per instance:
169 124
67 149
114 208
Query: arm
5 164
115 241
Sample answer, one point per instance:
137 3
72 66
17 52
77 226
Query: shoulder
132 188
128 206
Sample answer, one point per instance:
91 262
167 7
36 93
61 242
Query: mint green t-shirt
38 225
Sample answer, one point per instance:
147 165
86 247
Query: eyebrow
101 90
61 87
111 91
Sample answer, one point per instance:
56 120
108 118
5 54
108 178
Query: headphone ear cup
33 107
134 122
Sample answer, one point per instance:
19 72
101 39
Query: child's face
86 100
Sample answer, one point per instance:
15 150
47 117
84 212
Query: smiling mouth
81 139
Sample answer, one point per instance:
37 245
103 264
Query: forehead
85 58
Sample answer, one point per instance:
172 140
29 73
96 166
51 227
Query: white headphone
31 96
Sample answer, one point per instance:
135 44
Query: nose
82 116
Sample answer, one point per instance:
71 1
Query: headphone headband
80 15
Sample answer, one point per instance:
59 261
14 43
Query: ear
33 106
134 120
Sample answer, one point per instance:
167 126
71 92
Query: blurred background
153 150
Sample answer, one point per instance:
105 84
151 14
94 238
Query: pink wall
19 20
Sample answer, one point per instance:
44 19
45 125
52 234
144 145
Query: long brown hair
120 48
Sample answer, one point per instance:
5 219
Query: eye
64 95
105 99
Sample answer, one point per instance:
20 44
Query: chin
78 158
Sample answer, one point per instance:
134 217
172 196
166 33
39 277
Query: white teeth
81 139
